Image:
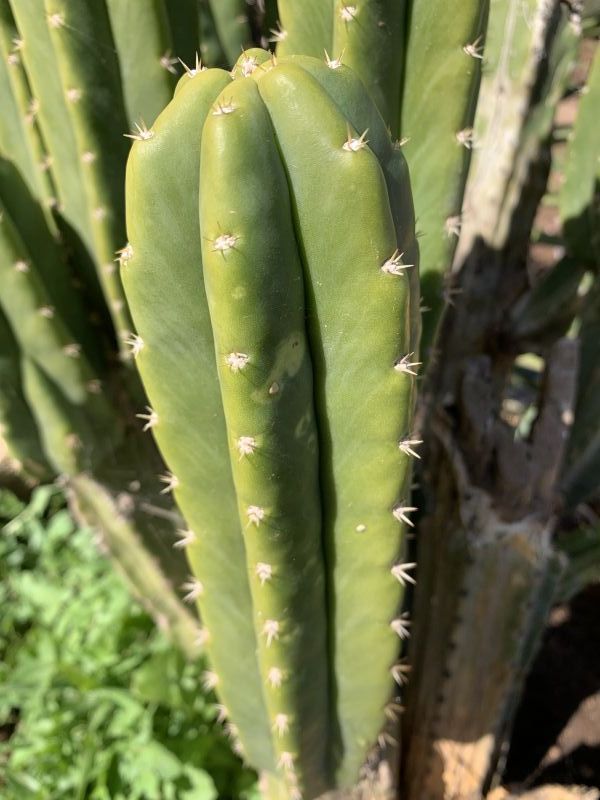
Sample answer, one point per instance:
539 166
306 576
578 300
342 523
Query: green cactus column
442 67
253 278
279 360
162 275
368 36
355 275
305 28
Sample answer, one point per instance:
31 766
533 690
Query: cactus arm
177 365
270 417
146 57
89 71
436 117
306 28
579 198
363 403
254 58
26 147
18 427
40 63
233 26
368 36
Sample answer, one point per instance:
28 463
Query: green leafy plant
95 702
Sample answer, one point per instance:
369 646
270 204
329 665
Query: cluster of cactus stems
276 326
285 423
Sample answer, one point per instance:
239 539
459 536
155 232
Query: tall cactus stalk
275 415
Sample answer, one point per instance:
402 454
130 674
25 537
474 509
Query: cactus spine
266 469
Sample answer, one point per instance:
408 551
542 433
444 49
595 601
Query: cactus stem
168 62
210 680
223 108
237 361
186 538
407 445
255 515
264 572
406 365
224 242
193 71
474 49
353 145
271 631
141 133
135 342
275 677
171 482
394 265
401 573
150 417
246 445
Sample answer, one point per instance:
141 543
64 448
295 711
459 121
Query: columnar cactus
277 338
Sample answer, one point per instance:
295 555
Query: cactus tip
271 631
402 573
150 417
394 265
264 572
255 515
353 145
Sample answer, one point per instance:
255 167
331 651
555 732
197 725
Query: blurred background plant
94 700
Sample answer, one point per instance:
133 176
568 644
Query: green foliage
95 703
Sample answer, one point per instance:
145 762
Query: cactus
233 411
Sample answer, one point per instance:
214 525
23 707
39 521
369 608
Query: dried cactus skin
305 28
445 46
146 56
270 416
177 365
361 420
91 80
368 35
233 27
38 56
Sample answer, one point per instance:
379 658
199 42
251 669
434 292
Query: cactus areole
272 278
